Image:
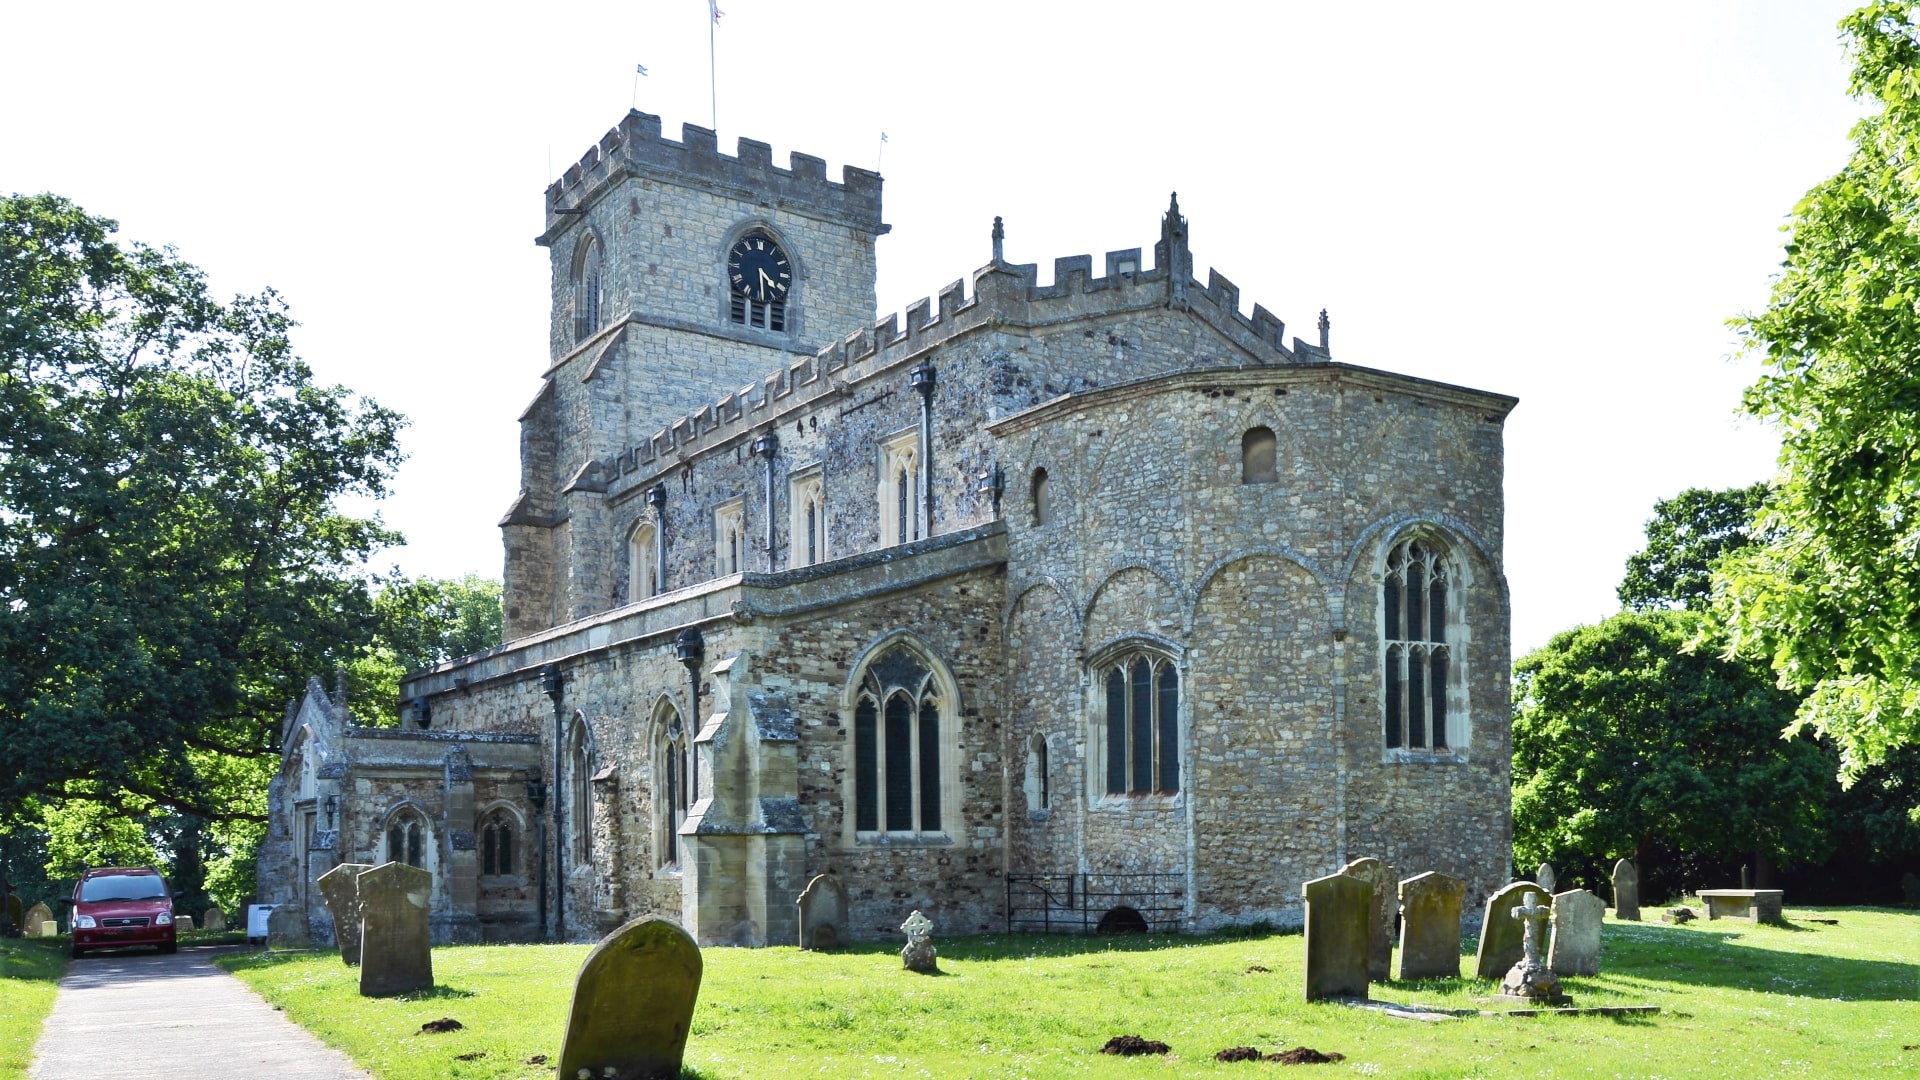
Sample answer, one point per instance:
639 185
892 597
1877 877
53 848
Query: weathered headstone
396 955
919 953
214 920
182 924
1575 947
1910 887
1529 979
341 888
49 929
633 1003
1626 891
1339 917
287 928
1430 926
37 915
1385 902
1544 877
823 913
16 913
1502 939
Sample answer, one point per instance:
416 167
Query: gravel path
144 1015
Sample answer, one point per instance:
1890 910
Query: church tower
680 274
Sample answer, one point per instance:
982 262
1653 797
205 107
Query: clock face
758 269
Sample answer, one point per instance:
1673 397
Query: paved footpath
145 1015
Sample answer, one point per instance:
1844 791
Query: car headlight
165 918
83 922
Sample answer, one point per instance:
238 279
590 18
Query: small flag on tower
639 69
714 6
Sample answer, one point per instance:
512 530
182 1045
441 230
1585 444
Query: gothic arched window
587 290
407 839
579 792
900 493
643 562
899 720
1037 786
1142 729
1416 642
673 770
496 843
1259 452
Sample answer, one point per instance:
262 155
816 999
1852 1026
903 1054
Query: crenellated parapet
637 148
1003 294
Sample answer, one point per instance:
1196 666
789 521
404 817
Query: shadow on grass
1719 956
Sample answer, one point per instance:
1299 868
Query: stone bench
1753 905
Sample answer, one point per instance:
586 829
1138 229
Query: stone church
1087 603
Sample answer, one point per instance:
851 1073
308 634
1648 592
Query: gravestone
1430 926
182 924
1626 891
1385 904
1544 877
1575 947
49 929
16 912
1746 876
919 954
1502 938
1910 887
341 887
37 916
1339 921
287 928
1529 979
823 913
395 953
214 920
633 1003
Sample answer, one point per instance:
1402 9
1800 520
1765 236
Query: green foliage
172 560
419 623
1688 535
1739 1000
1833 599
1624 737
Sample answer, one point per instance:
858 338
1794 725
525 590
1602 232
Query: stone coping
1746 894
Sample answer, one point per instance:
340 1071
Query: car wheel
78 952
169 948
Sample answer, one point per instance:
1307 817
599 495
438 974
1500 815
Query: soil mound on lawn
1305 1055
1133 1046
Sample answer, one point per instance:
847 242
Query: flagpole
713 73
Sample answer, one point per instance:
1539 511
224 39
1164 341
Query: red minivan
122 905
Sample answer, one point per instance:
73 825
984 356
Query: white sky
1561 202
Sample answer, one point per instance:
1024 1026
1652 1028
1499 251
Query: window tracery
1141 729
898 723
1417 605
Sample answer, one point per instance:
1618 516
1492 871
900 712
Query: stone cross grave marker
1529 979
1545 878
919 954
1500 936
1575 946
213 919
633 1003
341 887
1626 891
823 913
1385 903
37 915
1339 915
1430 926
287 927
396 953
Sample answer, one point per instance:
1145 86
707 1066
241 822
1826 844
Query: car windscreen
124 887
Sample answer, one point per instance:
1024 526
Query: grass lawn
30 968
1738 1000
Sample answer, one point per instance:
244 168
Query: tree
1687 537
1627 741
419 623
1832 598
172 559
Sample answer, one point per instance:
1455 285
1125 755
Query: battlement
636 147
1003 294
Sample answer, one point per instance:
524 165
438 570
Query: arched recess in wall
1259 456
1043 693
643 561
589 286
902 776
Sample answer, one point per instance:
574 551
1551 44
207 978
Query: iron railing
1085 903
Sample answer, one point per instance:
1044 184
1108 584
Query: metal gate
1076 903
